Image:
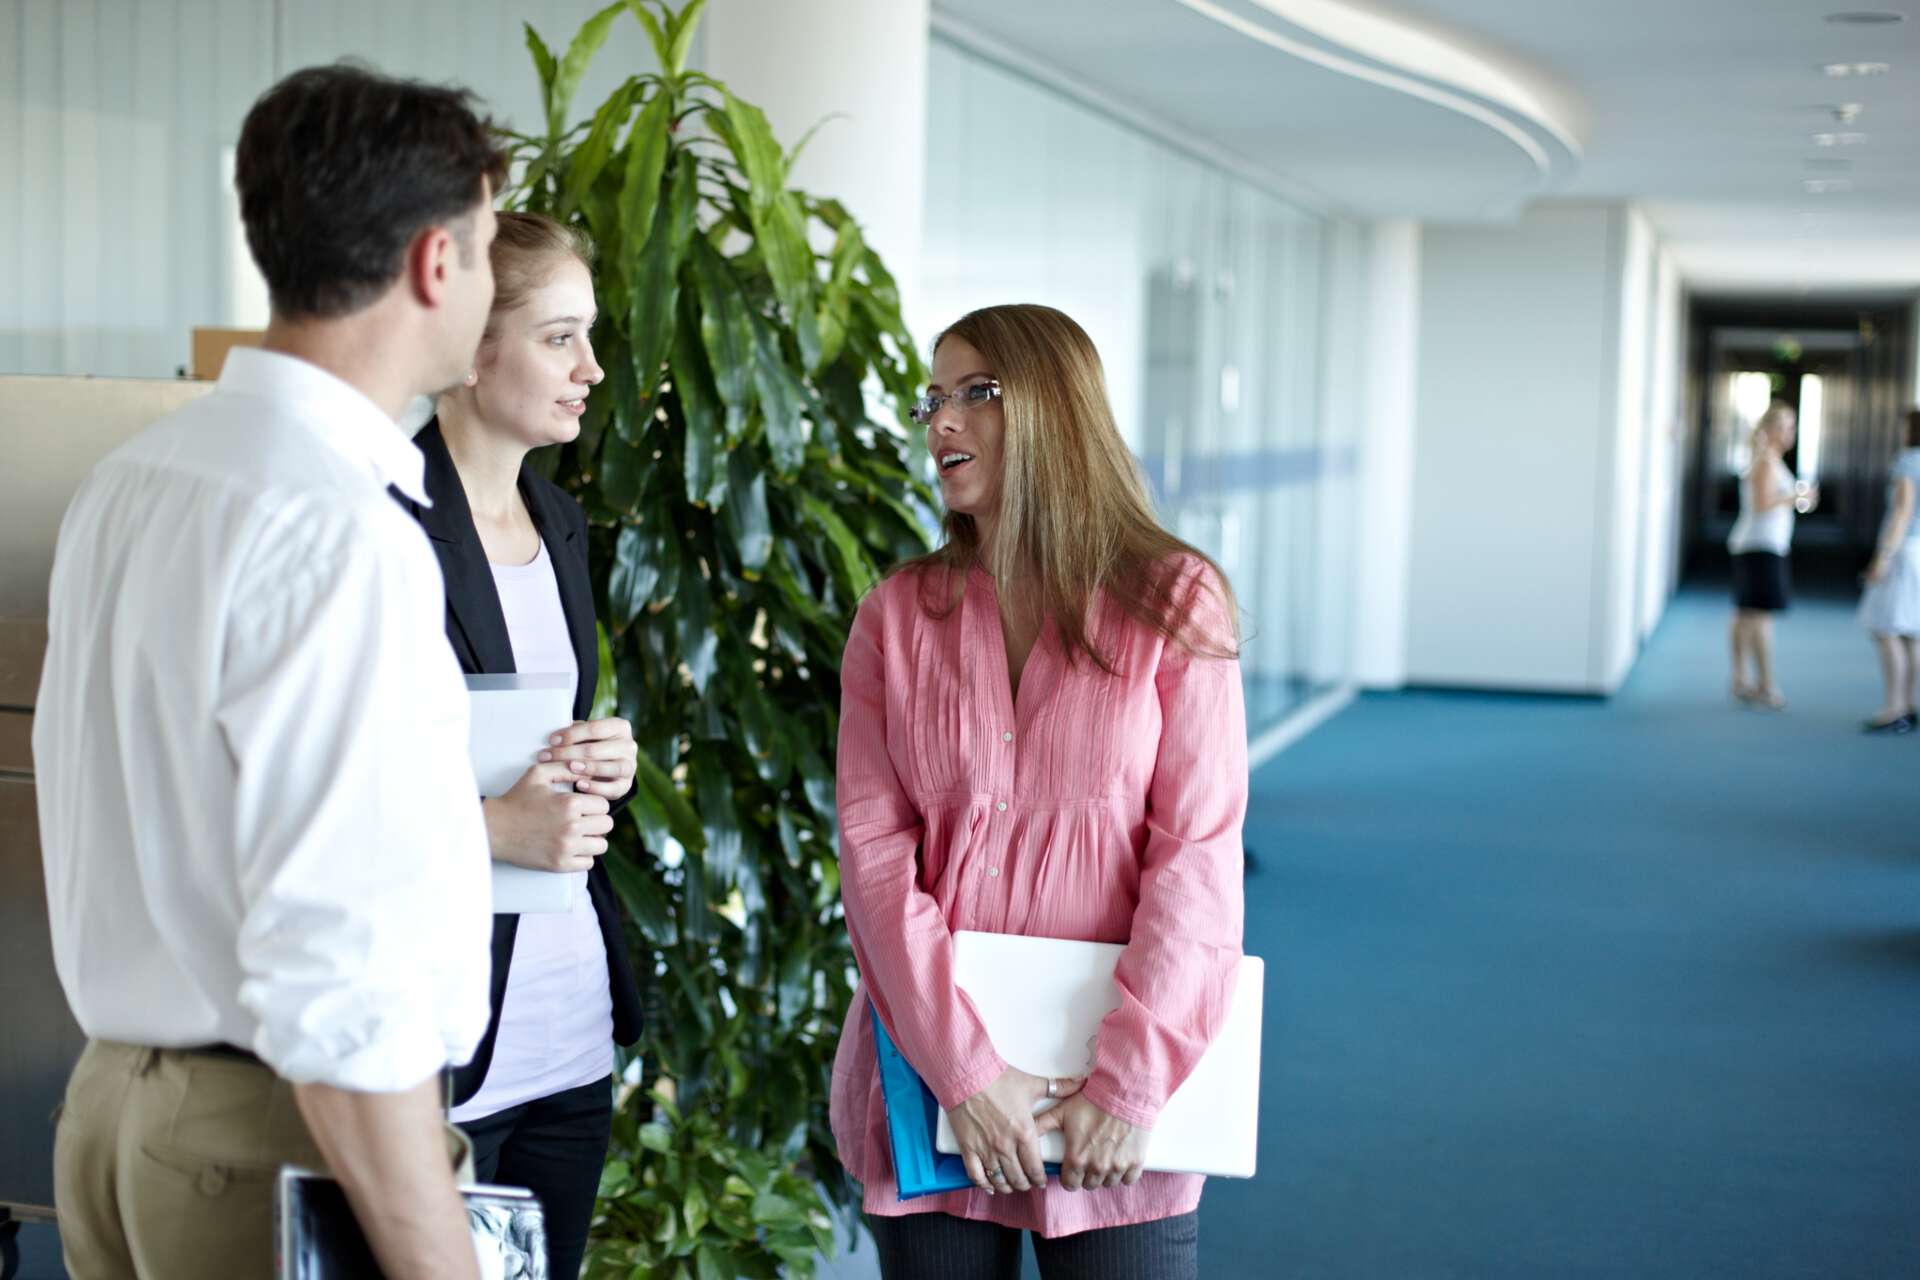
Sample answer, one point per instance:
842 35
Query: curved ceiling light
1399 82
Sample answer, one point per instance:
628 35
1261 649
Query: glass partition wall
1206 296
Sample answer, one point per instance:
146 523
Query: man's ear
431 260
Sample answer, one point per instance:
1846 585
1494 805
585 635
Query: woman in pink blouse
1041 733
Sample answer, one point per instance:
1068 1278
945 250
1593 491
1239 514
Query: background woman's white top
1891 606
1769 530
556 1021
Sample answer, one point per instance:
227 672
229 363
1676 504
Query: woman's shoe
1767 699
1741 691
1896 724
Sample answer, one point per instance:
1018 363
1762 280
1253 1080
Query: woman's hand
538 826
599 753
1102 1150
1875 571
995 1128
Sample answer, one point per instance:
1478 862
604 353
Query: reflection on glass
1204 295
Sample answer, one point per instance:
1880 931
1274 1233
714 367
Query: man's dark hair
339 168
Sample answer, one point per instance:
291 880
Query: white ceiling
1701 111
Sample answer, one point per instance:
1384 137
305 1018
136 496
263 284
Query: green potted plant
743 494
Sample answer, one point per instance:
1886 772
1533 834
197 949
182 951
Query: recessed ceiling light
1866 17
1846 112
1829 164
1846 70
1827 186
1839 139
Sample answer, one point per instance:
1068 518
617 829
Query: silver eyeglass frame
923 409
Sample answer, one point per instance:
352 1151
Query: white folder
509 720
1042 1000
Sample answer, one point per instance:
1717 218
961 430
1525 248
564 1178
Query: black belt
224 1050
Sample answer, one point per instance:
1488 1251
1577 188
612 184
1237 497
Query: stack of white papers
1042 1001
510 719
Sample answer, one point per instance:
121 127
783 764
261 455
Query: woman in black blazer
537 1097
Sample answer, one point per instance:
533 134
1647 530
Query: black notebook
318 1238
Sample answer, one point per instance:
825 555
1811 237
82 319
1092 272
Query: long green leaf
700 411
647 144
592 155
636 569
656 284
645 900
573 66
783 398
606 684
661 50
773 211
680 30
682 822
748 522
726 330
544 67
854 565
698 640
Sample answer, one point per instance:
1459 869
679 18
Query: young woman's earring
471 378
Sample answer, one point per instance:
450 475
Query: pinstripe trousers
939 1246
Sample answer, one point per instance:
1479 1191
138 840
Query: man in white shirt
265 860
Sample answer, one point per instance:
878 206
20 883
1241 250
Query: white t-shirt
556 1019
1769 530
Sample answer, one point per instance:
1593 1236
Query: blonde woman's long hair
1075 518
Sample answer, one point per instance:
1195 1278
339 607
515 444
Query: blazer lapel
566 547
473 603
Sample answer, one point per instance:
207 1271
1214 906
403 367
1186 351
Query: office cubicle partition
52 430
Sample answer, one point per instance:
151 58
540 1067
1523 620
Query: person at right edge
1041 733
265 861
1890 605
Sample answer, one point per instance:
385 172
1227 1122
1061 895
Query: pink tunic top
1096 807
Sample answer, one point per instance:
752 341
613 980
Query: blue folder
912 1117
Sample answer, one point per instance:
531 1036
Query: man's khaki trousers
165 1162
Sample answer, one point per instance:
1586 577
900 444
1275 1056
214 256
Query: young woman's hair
1074 515
526 249
1913 428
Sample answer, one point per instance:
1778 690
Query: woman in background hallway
1759 543
1890 608
1041 733
537 1099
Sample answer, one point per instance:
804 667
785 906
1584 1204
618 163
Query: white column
864 61
1386 453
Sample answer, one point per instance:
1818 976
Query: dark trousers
554 1147
939 1246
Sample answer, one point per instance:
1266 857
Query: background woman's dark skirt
1760 581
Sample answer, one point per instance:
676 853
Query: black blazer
478 630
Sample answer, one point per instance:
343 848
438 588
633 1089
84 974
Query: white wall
1384 515
1620 456
1530 477
1666 434
856 68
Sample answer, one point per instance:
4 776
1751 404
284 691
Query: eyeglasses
971 396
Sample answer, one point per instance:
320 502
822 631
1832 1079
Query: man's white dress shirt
257 814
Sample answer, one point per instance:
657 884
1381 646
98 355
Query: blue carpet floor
1571 988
